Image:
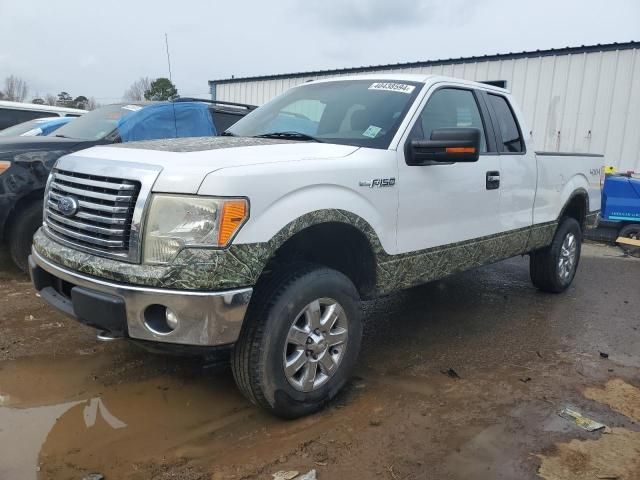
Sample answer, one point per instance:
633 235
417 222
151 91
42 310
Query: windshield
98 123
364 113
30 128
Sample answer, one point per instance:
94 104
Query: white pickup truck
267 238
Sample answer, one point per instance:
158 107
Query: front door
444 204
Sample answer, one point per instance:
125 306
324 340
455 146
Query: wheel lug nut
315 357
309 340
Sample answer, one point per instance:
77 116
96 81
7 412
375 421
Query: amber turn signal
4 165
234 214
461 150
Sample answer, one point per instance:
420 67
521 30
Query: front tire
300 340
21 232
553 268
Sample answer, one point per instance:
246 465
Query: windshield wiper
289 135
227 134
61 136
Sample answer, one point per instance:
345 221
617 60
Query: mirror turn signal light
4 165
460 150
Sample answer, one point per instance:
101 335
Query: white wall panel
631 144
583 102
571 101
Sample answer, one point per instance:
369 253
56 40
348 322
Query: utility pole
166 41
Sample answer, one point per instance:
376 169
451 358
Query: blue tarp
167 120
53 125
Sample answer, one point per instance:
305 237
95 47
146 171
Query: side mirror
447 145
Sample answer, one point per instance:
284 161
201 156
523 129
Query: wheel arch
14 214
576 206
334 238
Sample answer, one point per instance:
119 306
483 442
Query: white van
12 113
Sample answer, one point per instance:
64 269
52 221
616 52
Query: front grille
102 221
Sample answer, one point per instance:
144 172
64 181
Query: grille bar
90 193
85 238
93 206
94 218
85 226
96 183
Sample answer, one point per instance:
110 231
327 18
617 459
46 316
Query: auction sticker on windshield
371 132
392 87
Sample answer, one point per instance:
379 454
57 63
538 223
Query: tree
64 100
92 104
1 96
50 99
136 91
80 102
15 89
161 89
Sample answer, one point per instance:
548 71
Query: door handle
493 180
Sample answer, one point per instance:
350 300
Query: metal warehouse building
583 99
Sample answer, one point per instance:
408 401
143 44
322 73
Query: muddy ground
70 406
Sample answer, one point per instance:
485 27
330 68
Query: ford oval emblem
68 206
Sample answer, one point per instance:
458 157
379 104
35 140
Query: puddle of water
57 419
22 433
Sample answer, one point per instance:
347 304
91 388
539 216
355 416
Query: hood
184 163
24 144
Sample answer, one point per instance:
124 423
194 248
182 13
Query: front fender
19 183
316 204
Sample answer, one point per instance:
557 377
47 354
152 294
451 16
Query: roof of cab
408 77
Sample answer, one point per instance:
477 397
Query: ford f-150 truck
267 238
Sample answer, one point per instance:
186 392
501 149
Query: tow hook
105 336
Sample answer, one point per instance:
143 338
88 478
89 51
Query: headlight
4 165
176 221
39 160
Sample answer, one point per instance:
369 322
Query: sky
98 49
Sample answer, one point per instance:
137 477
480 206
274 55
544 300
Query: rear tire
630 231
552 269
300 340
21 232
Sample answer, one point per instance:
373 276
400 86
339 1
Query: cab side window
10 116
511 138
450 108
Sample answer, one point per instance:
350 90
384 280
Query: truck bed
560 175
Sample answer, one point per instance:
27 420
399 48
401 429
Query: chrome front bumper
204 318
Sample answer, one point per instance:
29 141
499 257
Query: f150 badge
378 182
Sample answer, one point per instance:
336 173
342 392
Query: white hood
184 164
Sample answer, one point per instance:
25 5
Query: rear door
442 204
518 169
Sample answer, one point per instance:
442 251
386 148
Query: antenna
166 41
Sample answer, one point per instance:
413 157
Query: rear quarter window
511 138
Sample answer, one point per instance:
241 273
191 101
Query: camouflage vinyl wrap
199 144
395 272
241 265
